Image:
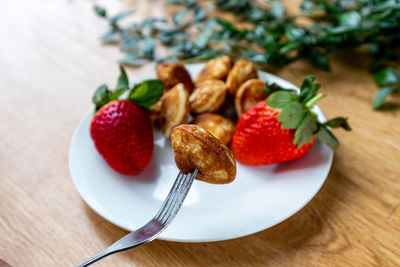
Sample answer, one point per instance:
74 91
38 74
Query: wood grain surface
51 61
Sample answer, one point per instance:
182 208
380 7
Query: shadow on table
389 106
310 229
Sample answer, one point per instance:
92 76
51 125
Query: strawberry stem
314 100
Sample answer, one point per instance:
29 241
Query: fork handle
154 227
99 256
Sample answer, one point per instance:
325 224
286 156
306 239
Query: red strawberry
260 139
123 135
283 128
121 129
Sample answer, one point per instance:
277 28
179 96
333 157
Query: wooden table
50 63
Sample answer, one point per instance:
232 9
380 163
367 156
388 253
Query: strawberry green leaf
387 76
291 115
273 87
146 93
280 99
382 94
116 94
326 136
307 82
123 82
338 122
305 132
308 89
101 96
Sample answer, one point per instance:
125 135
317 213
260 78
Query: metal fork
155 226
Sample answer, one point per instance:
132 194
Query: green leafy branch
138 40
271 37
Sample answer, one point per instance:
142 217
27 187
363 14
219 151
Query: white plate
259 198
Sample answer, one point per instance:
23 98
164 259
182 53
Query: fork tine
171 213
175 190
172 200
171 193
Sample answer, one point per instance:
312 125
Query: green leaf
201 40
111 37
179 16
351 19
169 36
305 131
174 3
289 47
258 58
190 3
147 47
307 82
123 82
116 94
291 115
150 22
119 16
338 122
210 24
147 93
294 33
280 99
382 94
101 96
130 44
132 59
271 45
199 14
319 60
387 76
308 89
307 6
277 9
100 11
171 59
273 87
204 56
326 136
